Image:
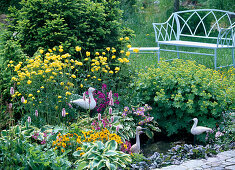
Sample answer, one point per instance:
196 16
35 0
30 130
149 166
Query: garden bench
146 50
202 28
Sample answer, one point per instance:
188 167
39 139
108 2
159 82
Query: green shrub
181 90
6 4
91 25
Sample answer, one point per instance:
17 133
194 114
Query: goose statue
197 130
136 147
85 103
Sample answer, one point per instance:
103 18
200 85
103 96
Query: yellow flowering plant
48 80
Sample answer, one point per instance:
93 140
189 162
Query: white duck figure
197 130
136 147
84 103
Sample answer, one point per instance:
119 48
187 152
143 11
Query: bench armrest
226 37
165 31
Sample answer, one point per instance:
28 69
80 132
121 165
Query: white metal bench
204 28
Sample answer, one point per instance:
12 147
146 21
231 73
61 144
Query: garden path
222 161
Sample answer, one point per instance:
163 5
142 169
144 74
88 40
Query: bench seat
193 44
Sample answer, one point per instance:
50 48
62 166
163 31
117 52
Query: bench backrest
201 23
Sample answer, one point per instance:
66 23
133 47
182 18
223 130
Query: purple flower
12 91
116 95
116 102
43 142
36 113
63 112
104 87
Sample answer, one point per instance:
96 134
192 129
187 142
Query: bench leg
178 54
233 57
215 58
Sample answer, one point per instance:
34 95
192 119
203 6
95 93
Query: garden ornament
85 103
197 130
136 147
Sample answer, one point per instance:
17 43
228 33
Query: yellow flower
122 51
86 59
63 144
97 53
111 72
60 46
73 76
117 68
94 77
78 148
47 54
121 60
55 148
136 50
121 39
88 75
99 79
11 62
85 79
88 54
50 50
68 93
38 91
113 56
114 50
56 107
128 53
42 87
29 82
82 153
127 38
62 150
59 97
103 53
41 51
30 95
61 83
77 48
61 50
25 101
129 46
81 85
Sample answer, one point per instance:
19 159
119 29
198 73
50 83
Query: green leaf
111 145
82 165
77 153
4 133
100 145
149 133
110 153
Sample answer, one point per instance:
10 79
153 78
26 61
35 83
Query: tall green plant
89 24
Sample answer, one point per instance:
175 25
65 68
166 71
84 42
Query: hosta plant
98 155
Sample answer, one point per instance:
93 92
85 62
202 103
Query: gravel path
222 161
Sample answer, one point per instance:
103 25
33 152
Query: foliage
181 90
16 151
6 4
93 25
98 155
51 77
227 5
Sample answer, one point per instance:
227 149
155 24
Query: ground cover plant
42 73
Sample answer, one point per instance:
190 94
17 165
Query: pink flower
12 91
99 116
111 102
10 105
110 110
36 113
22 99
117 128
218 134
112 119
63 112
29 119
84 96
110 95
